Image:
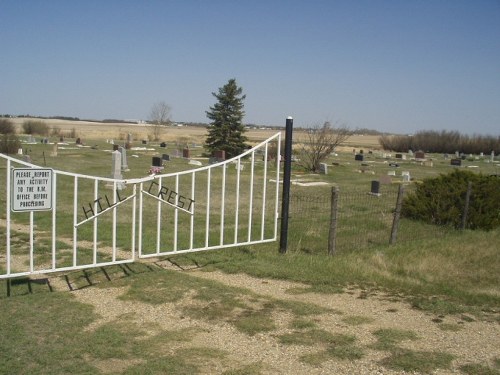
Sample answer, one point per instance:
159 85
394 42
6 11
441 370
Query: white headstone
116 172
54 149
391 173
406 176
323 168
492 156
19 151
195 162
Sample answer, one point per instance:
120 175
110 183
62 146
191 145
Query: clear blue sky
395 66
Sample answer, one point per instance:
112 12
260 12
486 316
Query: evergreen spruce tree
226 129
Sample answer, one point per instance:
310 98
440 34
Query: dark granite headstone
156 161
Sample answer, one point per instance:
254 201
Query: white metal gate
67 221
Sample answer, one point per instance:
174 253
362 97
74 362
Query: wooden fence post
397 215
466 206
332 235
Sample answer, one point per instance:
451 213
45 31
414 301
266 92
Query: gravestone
111 142
54 149
375 188
195 162
116 169
323 168
144 142
220 155
129 138
212 160
446 156
163 145
419 155
399 156
410 152
358 157
115 147
19 151
457 154
78 141
492 156
61 139
391 173
165 157
395 165
156 161
456 162
406 176
123 151
186 153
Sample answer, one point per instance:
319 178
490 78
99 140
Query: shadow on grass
82 279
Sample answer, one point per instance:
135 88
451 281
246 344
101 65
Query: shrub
441 200
9 144
7 126
35 127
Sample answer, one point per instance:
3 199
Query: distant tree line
441 142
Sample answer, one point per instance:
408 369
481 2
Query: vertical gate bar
237 208
250 208
191 224
264 196
207 221
276 200
54 219
32 244
139 245
113 241
222 206
75 228
176 212
158 217
94 234
7 216
132 230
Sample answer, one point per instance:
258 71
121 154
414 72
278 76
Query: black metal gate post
286 186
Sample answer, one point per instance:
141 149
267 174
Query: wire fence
363 219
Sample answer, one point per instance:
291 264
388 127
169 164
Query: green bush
9 144
7 126
441 200
35 127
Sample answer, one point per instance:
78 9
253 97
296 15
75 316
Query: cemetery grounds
427 304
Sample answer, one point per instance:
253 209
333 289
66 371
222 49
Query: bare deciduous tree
319 142
159 117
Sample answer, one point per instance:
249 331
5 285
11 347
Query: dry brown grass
189 134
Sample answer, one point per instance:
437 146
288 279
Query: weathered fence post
466 206
397 215
286 186
332 234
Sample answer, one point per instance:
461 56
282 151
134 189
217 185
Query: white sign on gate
31 189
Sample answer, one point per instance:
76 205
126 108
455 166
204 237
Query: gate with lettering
54 221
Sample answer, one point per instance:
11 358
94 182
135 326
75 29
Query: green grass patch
450 327
356 320
389 338
300 323
417 361
479 369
